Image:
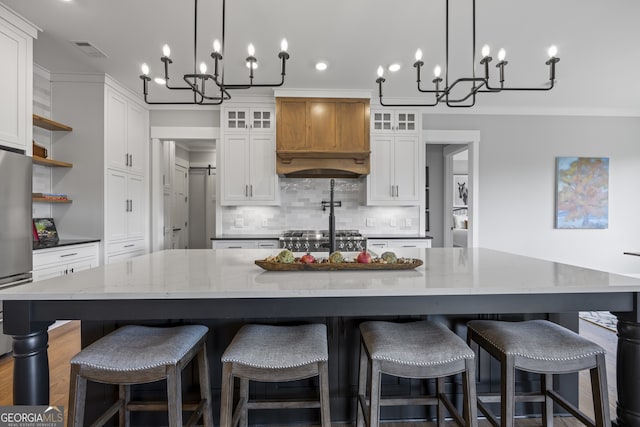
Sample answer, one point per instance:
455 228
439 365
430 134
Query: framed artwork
582 192
45 229
460 190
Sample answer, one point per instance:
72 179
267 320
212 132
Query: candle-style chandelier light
196 82
479 84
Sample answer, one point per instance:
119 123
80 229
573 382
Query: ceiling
597 42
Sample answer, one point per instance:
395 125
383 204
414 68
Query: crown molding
322 93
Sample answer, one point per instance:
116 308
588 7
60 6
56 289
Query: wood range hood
322 137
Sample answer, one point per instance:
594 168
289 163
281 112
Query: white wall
517 185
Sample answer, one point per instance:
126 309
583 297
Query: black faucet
332 217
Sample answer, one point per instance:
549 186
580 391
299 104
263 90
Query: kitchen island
225 284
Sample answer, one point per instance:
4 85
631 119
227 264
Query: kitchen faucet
332 218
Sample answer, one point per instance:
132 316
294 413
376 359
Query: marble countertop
218 274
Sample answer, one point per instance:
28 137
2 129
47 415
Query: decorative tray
405 264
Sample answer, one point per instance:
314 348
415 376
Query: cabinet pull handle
397 191
130 160
72 270
129 246
130 205
246 191
126 159
66 255
126 205
251 190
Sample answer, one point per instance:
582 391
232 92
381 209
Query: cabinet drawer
123 256
65 255
234 244
127 246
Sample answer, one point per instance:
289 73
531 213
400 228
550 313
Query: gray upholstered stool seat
137 355
421 349
546 348
274 354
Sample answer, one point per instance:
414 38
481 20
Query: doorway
454 142
202 205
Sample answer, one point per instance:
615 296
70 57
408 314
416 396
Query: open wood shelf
52 163
47 200
49 124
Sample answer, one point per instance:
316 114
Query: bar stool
138 355
421 349
274 354
546 348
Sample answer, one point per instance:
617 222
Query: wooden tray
324 266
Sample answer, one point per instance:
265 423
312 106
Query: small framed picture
45 229
460 190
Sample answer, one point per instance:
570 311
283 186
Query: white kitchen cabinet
59 261
373 244
395 121
110 199
394 178
16 80
125 207
255 119
245 244
125 133
248 169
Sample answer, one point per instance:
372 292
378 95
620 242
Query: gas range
318 240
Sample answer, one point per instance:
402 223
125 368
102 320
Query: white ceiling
597 42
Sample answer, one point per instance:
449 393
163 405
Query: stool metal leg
600 392
507 391
547 408
362 387
174 394
226 396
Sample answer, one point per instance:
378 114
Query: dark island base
343 336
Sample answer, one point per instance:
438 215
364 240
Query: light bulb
145 69
553 51
419 55
486 50
437 71
502 54
216 46
160 80
203 68
252 64
251 49
284 45
166 50
380 71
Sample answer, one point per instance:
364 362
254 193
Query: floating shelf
49 124
52 163
44 199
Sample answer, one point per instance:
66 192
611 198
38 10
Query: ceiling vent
89 49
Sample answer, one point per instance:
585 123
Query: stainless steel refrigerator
15 224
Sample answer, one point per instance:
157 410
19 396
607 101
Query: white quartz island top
229 273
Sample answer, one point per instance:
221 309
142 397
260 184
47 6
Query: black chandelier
196 81
479 84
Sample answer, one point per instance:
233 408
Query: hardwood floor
64 343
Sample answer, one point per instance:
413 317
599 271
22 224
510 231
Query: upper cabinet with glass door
249 119
389 120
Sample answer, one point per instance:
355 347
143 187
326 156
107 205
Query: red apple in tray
307 259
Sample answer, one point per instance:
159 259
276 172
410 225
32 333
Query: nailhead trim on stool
546 348
274 354
138 355
421 349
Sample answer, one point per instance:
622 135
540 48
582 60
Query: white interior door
180 214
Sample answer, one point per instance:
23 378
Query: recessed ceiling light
394 67
321 66
160 80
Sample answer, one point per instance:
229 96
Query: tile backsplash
301 208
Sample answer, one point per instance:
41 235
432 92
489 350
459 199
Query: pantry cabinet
16 80
109 148
255 119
